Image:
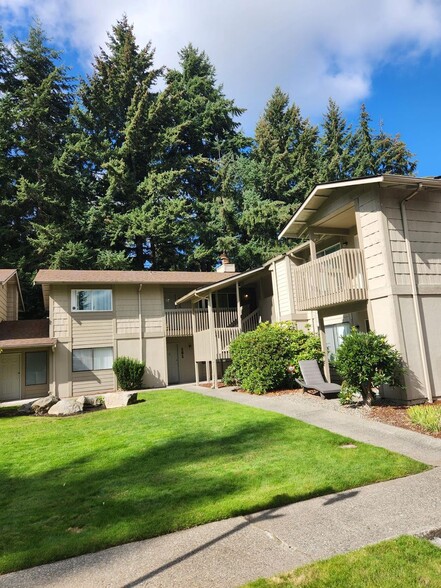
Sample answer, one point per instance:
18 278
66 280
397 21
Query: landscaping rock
26 408
118 399
67 407
93 400
42 405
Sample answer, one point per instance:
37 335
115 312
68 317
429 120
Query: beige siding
125 303
60 304
424 221
373 240
152 301
92 382
12 300
92 330
283 285
3 302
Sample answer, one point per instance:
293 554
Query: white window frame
92 350
74 298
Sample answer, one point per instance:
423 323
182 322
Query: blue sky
385 53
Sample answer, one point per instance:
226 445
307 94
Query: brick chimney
226 266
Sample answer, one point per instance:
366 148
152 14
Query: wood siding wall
424 221
3 302
372 238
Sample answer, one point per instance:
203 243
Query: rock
26 408
93 400
117 399
67 407
42 405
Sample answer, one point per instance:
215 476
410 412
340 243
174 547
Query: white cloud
312 48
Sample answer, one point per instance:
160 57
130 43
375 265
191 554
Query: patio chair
313 379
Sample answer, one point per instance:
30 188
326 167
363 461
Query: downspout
416 304
140 321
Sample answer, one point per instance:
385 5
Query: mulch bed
397 416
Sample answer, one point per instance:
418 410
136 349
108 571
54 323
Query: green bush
261 358
129 373
367 360
426 416
347 393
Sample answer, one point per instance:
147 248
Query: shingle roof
29 333
127 277
6 274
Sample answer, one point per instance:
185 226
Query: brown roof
127 277
30 333
6 274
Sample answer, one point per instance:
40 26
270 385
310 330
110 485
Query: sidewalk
226 554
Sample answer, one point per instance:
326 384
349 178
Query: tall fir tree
363 158
35 113
392 155
336 145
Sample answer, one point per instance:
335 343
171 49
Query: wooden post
324 347
193 328
213 344
312 247
239 313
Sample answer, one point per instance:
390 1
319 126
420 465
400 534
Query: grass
427 416
406 562
76 485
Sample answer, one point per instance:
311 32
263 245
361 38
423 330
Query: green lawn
406 562
80 484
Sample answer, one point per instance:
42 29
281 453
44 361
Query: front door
173 363
10 376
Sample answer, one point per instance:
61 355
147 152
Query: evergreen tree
336 144
34 116
392 155
363 158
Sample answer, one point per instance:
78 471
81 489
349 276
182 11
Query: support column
239 313
193 328
324 347
312 247
213 344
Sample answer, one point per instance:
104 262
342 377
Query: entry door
173 363
10 376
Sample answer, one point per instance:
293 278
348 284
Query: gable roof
8 274
322 192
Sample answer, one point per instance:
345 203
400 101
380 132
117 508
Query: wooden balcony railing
179 322
334 279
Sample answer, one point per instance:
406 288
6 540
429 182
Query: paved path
226 554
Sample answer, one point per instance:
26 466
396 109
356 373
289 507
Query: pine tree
363 158
392 155
336 144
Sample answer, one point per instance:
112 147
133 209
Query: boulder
118 399
42 405
26 408
67 407
93 400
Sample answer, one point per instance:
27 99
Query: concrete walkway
226 554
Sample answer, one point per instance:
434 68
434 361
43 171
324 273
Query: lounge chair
313 379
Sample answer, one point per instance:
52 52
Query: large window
99 358
36 368
92 300
334 337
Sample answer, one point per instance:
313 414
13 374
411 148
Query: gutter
415 297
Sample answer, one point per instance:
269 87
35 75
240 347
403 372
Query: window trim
73 299
92 349
26 368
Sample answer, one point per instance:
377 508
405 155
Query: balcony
179 322
334 279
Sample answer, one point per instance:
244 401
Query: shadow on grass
104 498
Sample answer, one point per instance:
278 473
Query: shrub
426 416
347 393
129 373
261 358
367 360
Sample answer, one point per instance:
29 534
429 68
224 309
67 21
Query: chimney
226 266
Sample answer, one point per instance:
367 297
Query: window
36 368
329 250
334 336
84 360
92 300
